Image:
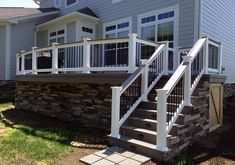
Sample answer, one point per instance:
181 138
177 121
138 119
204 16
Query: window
166 15
117 29
148 19
213 57
57 3
70 2
57 36
160 26
117 54
87 30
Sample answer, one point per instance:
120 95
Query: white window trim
67 6
116 1
129 19
156 22
57 6
56 30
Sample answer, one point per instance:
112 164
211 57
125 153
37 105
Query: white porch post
17 64
115 112
165 58
162 120
54 58
132 52
220 57
86 55
144 80
206 56
34 61
187 81
22 63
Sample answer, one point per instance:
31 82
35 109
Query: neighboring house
96 36
17 32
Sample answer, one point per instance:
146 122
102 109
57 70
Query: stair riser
145 114
152 115
148 105
142 124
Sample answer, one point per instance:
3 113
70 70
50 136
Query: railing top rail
183 66
25 53
43 49
145 41
132 78
107 41
78 43
156 53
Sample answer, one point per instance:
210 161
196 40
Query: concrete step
141 147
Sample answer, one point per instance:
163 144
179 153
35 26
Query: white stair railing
86 56
135 89
177 92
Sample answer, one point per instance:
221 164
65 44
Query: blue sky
18 3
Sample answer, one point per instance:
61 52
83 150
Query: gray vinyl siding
23 38
42 39
71 32
47 4
2 51
108 12
218 22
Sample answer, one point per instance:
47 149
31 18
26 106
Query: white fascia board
16 20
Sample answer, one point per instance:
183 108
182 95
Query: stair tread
142 130
152 111
138 142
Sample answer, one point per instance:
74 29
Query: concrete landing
115 156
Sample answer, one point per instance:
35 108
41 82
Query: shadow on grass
37 125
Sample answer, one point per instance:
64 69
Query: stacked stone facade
86 104
7 89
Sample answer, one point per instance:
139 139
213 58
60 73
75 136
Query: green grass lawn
6 103
27 138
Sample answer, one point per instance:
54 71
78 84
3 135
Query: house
183 49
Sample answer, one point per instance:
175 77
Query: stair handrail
177 92
140 76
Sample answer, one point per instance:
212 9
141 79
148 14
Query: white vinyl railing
177 92
118 54
136 88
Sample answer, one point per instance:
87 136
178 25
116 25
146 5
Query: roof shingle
15 12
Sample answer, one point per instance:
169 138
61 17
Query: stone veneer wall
86 104
229 90
7 89
194 121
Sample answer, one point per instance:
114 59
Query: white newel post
144 80
206 56
165 59
115 112
17 64
162 120
54 58
86 55
132 52
34 61
22 63
187 81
